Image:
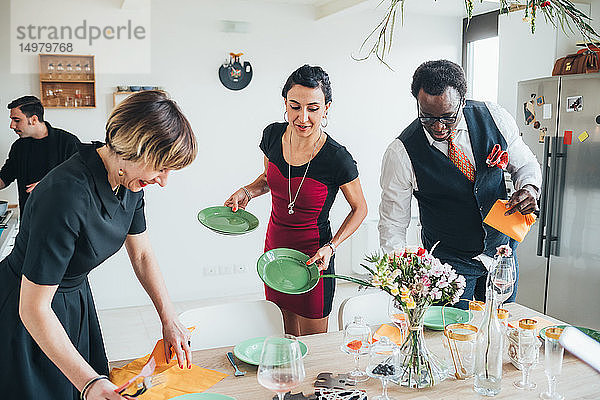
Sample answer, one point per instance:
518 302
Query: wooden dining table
577 381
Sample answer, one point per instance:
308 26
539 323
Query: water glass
357 339
528 352
553 353
398 317
503 278
476 311
384 364
281 367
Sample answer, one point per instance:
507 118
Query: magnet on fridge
574 103
547 111
542 137
568 139
536 124
584 135
529 113
540 101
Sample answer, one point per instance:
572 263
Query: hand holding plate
237 200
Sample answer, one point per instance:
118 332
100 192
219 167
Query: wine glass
398 317
503 278
281 367
553 352
50 69
357 338
528 352
384 364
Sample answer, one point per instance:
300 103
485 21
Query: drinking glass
528 349
69 71
78 102
50 69
88 71
78 71
553 353
281 367
503 279
357 339
60 69
398 317
384 364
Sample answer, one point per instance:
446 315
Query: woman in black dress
80 214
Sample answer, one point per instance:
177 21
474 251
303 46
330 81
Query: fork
232 361
146 384
146 371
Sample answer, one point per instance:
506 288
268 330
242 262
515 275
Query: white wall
371 105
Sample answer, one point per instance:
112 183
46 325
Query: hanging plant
560 13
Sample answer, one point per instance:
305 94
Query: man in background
40 147
440 158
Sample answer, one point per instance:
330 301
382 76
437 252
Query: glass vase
420 368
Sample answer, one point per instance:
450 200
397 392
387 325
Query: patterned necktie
458 157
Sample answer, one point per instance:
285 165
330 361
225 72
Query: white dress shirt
398 179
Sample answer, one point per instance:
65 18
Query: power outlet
225 269
210 270
240 269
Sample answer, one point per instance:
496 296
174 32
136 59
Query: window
480 56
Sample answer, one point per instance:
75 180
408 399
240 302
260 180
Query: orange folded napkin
391 332
178 381
515 225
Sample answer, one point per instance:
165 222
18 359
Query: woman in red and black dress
304 169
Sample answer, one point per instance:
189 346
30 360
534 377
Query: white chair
373 307
230 323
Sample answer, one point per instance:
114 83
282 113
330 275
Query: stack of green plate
224 221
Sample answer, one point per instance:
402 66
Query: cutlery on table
232 361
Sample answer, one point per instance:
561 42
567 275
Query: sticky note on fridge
583 136
547 111
568 139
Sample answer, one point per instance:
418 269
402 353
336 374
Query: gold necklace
293 202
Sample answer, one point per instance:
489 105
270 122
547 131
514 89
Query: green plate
249 350
590 332
285 270
203 396
433 317
222 220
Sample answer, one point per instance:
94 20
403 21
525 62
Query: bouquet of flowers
415 279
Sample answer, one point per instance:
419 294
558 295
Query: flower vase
420 367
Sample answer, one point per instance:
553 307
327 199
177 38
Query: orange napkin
515 225
178 382
391 332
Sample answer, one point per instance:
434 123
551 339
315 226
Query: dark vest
451 207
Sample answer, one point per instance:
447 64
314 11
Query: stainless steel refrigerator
559 260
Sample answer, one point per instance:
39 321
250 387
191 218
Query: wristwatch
331 246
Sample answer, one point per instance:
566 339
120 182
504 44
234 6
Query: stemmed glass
553 352
357 339
384 363
398 317
503 279
528 352
281 367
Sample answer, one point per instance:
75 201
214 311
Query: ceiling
430 7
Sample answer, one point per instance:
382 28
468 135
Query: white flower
461 281
436 294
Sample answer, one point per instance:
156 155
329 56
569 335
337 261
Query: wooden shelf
78 93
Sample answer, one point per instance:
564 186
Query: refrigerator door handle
551 196
561 170
543 198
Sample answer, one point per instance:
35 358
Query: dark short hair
310 77
29 105
434 77
148 126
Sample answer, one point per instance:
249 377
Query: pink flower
504 251
436 293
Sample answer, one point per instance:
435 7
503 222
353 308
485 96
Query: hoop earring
323 125
121 172
285 117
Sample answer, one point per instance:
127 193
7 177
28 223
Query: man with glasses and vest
440 158
40 147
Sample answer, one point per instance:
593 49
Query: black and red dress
308 228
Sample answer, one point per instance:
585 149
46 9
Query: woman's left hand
321 258
177 339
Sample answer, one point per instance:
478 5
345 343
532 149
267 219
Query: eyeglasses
443 120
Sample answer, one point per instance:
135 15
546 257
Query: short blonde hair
148 126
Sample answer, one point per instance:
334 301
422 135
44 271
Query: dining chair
230 323
373 307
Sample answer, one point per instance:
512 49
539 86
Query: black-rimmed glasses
442 120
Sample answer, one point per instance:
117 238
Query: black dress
71 223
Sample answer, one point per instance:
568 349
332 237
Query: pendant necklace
292 202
